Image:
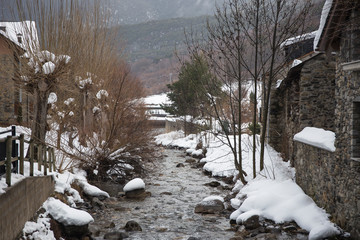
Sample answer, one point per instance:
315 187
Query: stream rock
190 160
180 165
213 206
96 203
213 184
132 226
252 222
137 194
115 236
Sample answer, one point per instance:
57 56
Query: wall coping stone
351 66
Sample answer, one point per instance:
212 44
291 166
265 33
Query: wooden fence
45 156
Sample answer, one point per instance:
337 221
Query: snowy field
273 194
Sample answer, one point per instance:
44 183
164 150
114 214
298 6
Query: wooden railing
45 156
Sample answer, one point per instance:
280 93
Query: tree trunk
255 85
38 130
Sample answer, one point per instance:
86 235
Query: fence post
45 161
50 159
32 154
8 160
22 154
53 158
39 156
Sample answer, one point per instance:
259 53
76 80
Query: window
356 130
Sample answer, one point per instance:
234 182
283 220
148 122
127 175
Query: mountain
157 39
137 11
150 48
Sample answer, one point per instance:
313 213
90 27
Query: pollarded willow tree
65 39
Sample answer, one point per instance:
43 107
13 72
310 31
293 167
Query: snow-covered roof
297 39
156 99
324 16
25 30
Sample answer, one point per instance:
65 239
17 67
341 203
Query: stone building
324 92
15 104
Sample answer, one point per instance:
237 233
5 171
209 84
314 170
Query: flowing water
169 212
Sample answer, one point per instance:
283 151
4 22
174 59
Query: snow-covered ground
273 194
67 215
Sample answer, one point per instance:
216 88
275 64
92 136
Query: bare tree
243 43
223 50
282 19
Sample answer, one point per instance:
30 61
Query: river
169 212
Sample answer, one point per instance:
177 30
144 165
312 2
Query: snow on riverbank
284 201
67 215
219 159
40 228
273 194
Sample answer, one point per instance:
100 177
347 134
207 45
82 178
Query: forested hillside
157 39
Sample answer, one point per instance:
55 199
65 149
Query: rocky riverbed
176 187
169 209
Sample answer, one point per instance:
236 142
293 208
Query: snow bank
134 184
39 229
317 137
219 157
65 214
177 139
284 201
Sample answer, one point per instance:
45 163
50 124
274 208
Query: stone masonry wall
7 94
332 182
306 99
333 179
12 111
317 93
347 213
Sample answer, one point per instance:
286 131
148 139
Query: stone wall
6 96
20 203
304 99
12 110
329 98
332 182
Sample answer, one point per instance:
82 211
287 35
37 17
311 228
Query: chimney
3 28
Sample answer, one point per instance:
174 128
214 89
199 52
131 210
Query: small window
356 130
